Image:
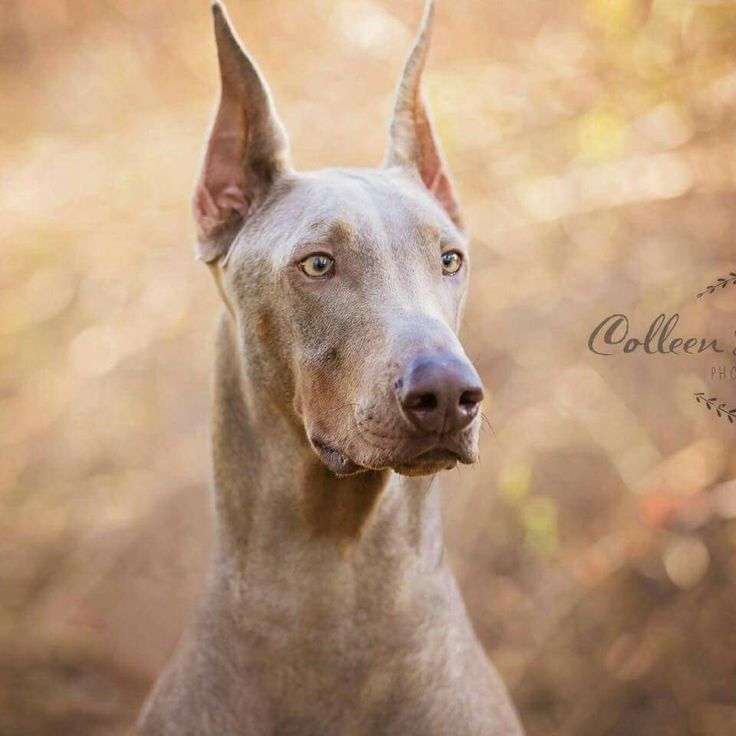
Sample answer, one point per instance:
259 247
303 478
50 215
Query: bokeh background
592 142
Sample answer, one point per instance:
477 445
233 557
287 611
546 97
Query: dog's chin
429 463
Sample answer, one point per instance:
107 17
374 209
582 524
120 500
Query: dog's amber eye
318 265
451 262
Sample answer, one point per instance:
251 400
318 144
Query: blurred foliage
592 143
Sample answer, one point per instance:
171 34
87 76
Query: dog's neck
283 518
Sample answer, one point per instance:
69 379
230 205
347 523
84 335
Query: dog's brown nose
440 395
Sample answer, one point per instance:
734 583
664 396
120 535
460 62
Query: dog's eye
451 262
317 265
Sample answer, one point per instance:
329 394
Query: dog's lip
430 461
335 460
438 455
438 452
442 447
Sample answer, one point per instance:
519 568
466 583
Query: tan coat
329 610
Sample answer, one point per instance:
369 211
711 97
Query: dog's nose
438 395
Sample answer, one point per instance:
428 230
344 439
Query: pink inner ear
441 187
432 168
220 191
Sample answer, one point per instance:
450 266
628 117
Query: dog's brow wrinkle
341 230
432 233
335 231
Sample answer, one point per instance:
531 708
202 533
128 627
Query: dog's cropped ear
247 148
412 140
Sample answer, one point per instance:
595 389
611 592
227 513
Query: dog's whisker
485 419
336 409
363 436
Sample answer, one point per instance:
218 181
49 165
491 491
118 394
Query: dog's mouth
431 461
338 463
427 461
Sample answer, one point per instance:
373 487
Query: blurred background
592 142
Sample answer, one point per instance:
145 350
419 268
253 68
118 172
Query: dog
341 388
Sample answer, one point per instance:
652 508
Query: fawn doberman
341 388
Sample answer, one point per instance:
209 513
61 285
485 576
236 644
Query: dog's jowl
341 388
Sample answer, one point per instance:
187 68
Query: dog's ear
247 148
412 139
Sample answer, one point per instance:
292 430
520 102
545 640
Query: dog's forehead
376 207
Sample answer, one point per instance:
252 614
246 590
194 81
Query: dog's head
346 286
